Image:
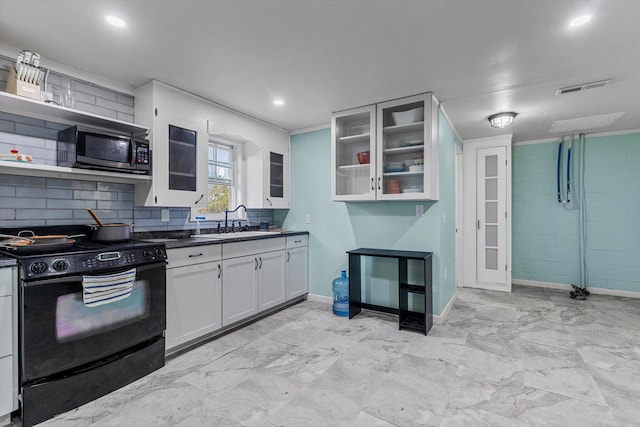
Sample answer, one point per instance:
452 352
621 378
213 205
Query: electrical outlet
165 215
46 96
419 210
307 219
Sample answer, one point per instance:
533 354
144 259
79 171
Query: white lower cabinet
297 266
253 278
8 344
194 294
240 289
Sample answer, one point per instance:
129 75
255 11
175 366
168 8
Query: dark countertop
6 261
183 239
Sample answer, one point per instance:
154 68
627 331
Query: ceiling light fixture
115 21
278 102
579 21
501 120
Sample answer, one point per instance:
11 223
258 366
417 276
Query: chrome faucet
226 216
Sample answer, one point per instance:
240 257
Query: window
221 173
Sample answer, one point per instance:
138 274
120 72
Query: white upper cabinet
353 154
267 175
387 151
179 147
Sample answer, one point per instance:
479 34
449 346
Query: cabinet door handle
195 255
270 204
478 224
201 196
379 183
256 266
219 271
288 256
297 241
260 258
373 184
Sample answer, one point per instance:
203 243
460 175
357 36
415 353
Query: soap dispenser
198 218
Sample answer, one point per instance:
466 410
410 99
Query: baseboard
319 298
565 287
440 318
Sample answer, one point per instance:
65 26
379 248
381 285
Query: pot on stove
116 232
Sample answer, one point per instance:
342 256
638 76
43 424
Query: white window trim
239 182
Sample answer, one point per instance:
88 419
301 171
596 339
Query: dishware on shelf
394 167
416 168
358 130
363 157
393 186
409 116
418 159
412 189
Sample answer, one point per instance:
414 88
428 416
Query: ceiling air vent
582 87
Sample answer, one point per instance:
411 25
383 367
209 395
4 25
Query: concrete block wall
546 234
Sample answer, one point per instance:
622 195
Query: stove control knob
148 253
60 264
38 267
159 253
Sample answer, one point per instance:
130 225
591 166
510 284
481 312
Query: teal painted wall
336 227
546 234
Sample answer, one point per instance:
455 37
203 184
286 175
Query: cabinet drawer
180 257
6 280
6 385
6 325
297 241
250 247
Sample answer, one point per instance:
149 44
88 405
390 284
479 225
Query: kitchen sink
233 235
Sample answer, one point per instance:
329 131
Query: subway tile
23 203
7 191
43 193
142 213
22 119
94 195
71 183
125 117
7 214
85 98
37 131
7 126
111 105
70 204
29 214
125 99
91 89
111 204
61 222
20 223
112 186
30 181
89 108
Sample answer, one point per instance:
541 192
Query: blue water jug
341 295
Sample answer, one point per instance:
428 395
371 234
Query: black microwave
90 148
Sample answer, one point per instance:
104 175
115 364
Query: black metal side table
407 319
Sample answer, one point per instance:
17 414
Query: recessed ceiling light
115 21
278 101
579 20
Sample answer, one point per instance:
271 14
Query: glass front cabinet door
407 141
387 151
353 154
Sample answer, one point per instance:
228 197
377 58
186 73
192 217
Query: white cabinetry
8 344
179 140
267 176
194 293
253 278
297 269
403 159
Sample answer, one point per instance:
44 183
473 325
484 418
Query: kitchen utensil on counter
95 217
363 157
16 157
116 232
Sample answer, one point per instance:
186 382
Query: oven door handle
78 277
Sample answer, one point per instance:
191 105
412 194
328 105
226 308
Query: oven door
60 333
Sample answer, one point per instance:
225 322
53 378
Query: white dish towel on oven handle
108 288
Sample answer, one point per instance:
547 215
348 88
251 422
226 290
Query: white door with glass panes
486 223
491 214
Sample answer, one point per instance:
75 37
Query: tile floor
531 358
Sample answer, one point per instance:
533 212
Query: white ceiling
479 57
